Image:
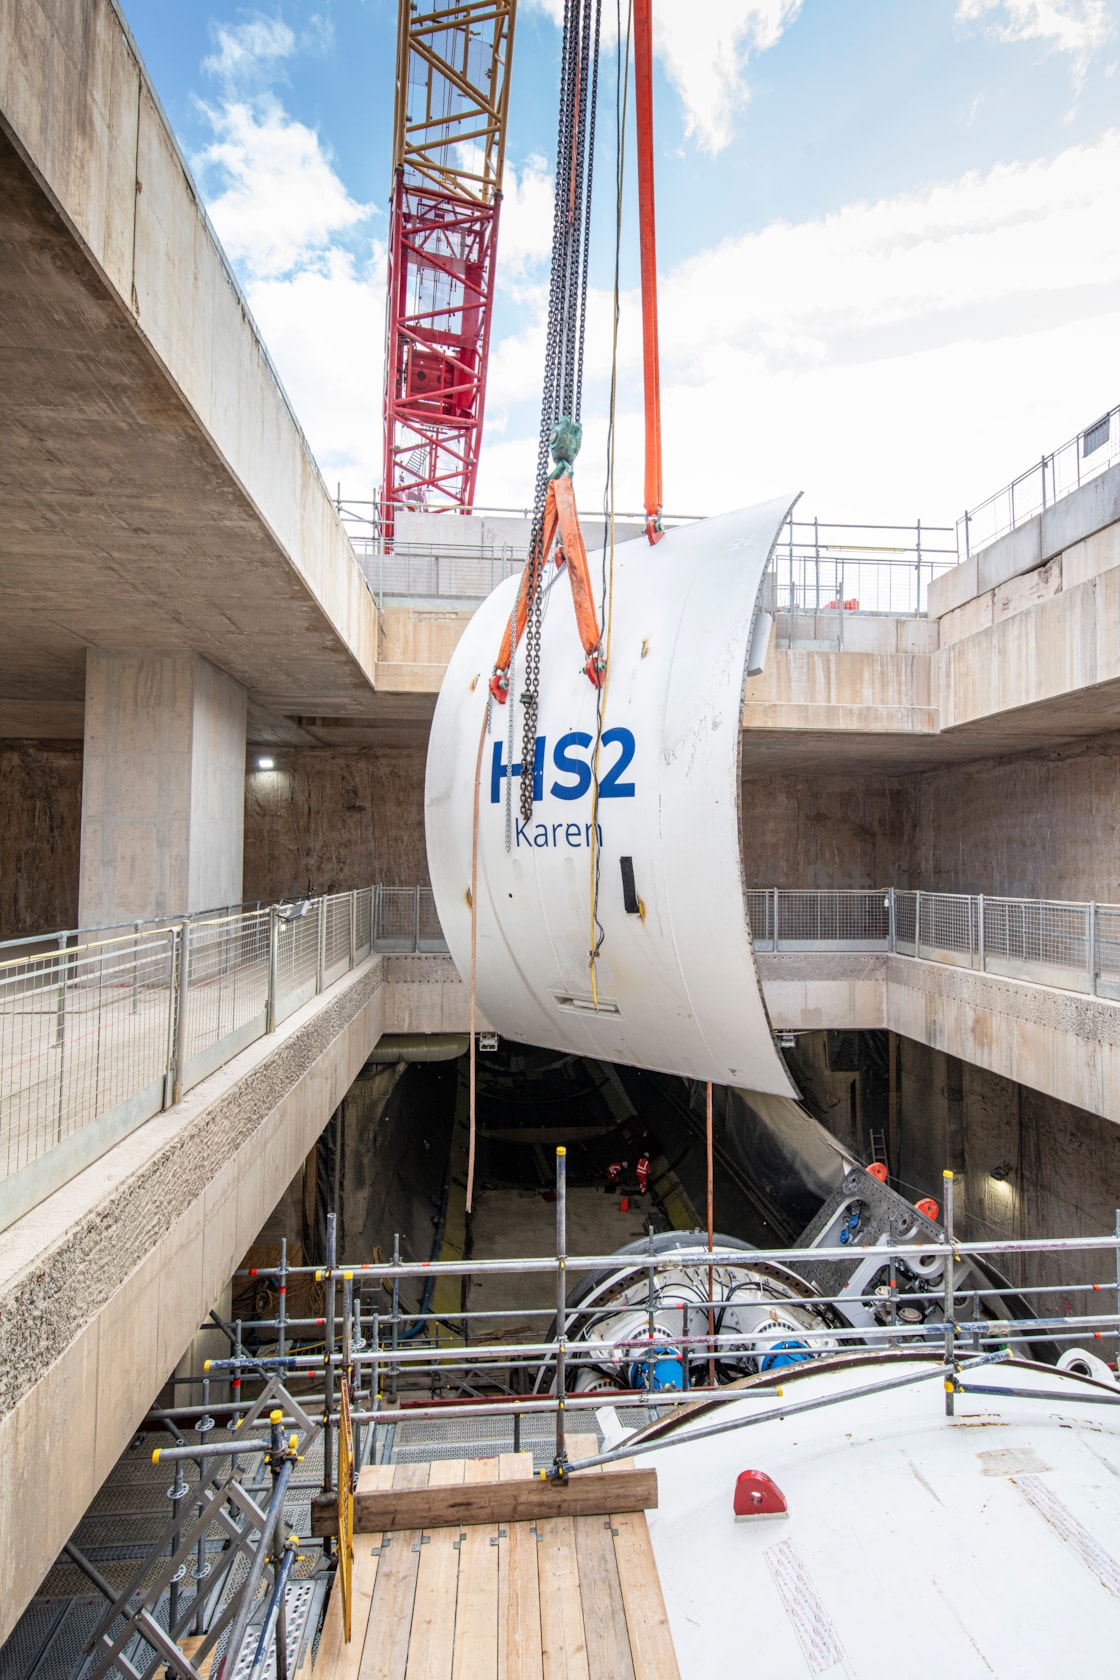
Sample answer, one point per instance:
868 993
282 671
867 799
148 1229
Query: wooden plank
651 1642
390 1618
584 1495
563 1646
432 1645
189 1645
476 1620
519 1607
604 1614
335 1660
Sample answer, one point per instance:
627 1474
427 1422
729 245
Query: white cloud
1076 27
707 64
247 49
273 192
525 229
897 358
302 246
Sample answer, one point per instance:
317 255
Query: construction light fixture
1000 1174
787 1041
266 764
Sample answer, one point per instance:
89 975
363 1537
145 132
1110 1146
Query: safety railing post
416 923
561 1458
353 908
320 942
892 920
395 1322
372 916
172 1017
136 969
777 891
980 930
950 1305
60 994
328 1348
273 965
918 923
1092 943
183 984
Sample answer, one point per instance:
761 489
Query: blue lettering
566 764
610 787
571 834
498 770
522 836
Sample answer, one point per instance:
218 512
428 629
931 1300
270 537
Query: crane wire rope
606 604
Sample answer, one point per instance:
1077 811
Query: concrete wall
1030 825
1039 825
335 819
828 831
1062 1163
40 829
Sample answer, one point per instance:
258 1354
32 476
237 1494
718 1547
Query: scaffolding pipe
561 1459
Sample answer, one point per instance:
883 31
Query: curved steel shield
676 985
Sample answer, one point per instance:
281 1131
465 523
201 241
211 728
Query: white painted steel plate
678 990
916 1546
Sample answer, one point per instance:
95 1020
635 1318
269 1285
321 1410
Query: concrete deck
157 489
1062 1043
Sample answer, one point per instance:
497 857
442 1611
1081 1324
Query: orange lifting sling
559 516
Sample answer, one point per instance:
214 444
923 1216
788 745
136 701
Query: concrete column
163 787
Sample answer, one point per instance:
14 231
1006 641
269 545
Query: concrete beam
156 487
1061 1043
106 1282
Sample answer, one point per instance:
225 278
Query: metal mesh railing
405 919
792 919
1022 936
82 1030
100 1032
1051 477
1069 945
228 963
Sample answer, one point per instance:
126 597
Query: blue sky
888 234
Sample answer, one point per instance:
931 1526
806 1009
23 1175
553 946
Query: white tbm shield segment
676 986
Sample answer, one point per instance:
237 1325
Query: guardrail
1053 476
98 1035
1071 945
817 566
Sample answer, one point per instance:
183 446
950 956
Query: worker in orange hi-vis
642 1171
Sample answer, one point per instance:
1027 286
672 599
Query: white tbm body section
676 983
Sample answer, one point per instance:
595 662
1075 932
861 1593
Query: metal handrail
1070 944
99 1035
1073 463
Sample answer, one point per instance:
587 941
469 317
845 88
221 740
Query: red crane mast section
452 95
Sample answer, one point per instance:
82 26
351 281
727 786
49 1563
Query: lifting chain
561 393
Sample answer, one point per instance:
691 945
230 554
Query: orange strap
559 516
647 233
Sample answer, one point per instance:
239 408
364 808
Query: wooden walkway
568 1598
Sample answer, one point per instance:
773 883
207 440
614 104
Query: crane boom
452 95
